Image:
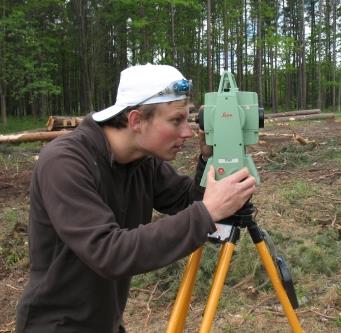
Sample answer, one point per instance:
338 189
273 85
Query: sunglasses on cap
177 88
181 87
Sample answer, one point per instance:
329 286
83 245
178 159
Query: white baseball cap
146 84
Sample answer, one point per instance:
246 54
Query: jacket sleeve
173 192
89 228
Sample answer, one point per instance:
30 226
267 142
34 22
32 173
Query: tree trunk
334 68
311 73
3 104
245 79
85 93
239 50
3 88
319 59
273 82
225 36
273 54
209 47
302 71
259 55
198 60
174 51
34 106
339 97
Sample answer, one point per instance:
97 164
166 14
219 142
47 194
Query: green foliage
289 157
31 42
13 246
322 255
16 158
298 191
293 156
10 217
167 279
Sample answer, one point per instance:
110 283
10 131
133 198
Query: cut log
29 137
303 117
291 113
59 122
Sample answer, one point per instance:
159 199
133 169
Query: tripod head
243 218
231 120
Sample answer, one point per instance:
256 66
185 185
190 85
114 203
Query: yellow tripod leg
277 284
183 298
223 265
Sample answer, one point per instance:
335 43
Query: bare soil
259 311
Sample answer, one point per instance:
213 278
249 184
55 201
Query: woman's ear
134 120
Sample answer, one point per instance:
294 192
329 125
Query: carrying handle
227 83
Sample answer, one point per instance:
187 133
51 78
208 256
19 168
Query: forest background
65 56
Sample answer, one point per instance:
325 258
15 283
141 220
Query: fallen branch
148 304
14 288
323 315
334 221
282 314
264 135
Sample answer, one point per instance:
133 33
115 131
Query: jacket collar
95 135
98 139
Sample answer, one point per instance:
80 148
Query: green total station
231 120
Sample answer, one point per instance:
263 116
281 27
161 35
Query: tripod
228 233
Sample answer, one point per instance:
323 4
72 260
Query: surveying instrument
231 120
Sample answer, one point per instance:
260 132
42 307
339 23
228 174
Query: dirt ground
261 312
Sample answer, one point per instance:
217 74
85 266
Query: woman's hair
121 120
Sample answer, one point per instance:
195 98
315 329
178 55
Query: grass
13 243
15 124
294 156
15 157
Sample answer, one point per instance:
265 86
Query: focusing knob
200 119
261 117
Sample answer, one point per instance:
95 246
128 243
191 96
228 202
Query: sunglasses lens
182 87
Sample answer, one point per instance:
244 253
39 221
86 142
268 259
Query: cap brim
107 113
114 110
